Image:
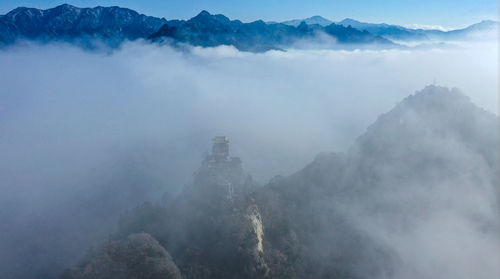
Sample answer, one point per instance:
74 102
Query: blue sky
447 13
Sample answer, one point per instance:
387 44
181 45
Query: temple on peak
220 148
220 153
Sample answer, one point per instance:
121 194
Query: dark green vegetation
424 157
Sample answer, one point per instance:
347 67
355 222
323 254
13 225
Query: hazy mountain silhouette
419 159
397 32
319 20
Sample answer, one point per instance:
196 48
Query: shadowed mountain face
69 23
429 167
89 27
213 30
111 26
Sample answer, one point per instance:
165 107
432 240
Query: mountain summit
319 20
345 215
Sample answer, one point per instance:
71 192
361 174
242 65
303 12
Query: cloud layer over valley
86 135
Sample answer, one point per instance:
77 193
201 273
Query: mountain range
213 30
311 20
420 160
68 23
110 26
398 32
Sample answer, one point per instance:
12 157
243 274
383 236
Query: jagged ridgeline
337 218
109 27
92 27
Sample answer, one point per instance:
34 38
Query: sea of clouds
85 135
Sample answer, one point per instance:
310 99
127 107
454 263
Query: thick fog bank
85 135
276 105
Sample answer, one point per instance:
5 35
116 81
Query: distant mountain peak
359 24
434 99
484 24
488 21
302 24
435 112
349 20
65 6
205 16
440 94
319 20
203 13
20 10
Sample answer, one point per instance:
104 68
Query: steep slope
414 195
8 33
205 228
424 180
433 141
437 131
